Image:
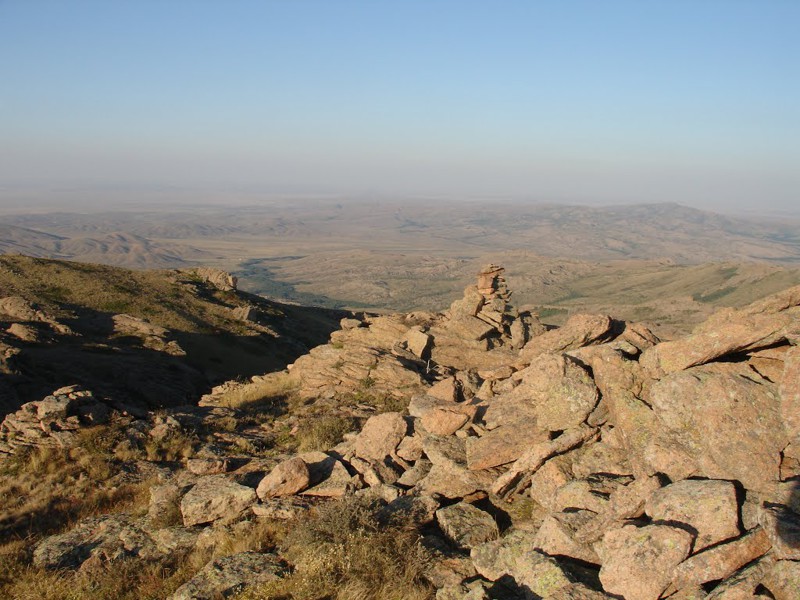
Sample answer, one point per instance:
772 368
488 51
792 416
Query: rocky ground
474 453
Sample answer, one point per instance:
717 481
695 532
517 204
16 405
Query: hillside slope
147 338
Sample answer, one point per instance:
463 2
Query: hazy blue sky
693 101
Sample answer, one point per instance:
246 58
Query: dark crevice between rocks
763 591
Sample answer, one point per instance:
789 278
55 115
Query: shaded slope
182 336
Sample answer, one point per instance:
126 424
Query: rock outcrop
53 421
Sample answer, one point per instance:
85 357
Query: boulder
328 477
555 473
628 502
783 580
790 392
164 508
229 575
554 391
708 507
217 277
418 510
466 525
727 420
286 479
638 561
556 536
449 475
515 556
410 448
215 497
380 436
445 389
417 342
602 458
584 494
415 474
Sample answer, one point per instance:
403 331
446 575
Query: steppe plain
664 263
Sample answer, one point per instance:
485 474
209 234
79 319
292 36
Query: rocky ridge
583 462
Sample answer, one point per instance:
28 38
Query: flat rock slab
215 497
466 525
707 506
578 331
720 561
229 575
503 445
444 420
109 537
739 333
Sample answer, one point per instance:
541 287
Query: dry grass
344 553
45 489
256 395
323 432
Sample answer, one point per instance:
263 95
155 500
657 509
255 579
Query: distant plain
664 263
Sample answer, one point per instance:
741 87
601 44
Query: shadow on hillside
128 372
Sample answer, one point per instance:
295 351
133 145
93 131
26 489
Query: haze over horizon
579 102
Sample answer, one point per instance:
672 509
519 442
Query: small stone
444 420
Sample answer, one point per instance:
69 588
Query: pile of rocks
587 462
670 468
52 421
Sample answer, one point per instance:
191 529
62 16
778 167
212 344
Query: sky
604 102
